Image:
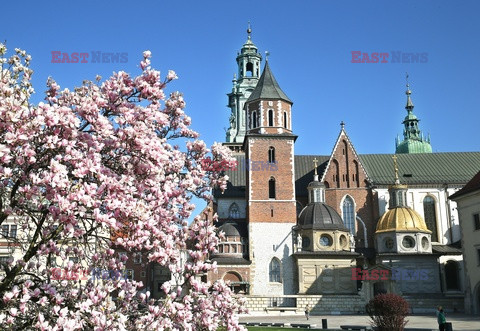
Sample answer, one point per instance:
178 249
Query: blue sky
310 43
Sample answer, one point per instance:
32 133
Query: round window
389 243
425 243
305 242
325 240
343 241
408 242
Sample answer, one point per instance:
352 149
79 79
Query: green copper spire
248 74
413 140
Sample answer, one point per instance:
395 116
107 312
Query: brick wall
346 176
283 206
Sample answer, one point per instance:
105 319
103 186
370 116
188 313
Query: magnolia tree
94 170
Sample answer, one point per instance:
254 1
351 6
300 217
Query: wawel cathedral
333 230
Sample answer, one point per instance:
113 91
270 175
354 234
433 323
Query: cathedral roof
318 215
268 88
417 169
421 169
401 219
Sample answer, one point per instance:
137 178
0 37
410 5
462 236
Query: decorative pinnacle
342 124
249 30
395 167
267 54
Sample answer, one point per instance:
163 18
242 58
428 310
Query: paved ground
459 322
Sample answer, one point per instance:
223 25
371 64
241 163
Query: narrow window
254 119
285 119
5 231
476 221
430 216
274 271
349 214
270 117
137 258
271 155
271 188
13 231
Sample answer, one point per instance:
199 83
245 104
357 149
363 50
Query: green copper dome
413 146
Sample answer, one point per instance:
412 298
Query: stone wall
320 304
347 304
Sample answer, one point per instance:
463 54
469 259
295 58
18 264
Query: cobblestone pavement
459 322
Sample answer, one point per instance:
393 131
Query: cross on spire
315 163
395 167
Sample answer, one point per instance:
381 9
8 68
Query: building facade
314 228
468 204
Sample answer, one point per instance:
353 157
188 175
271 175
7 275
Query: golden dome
402 219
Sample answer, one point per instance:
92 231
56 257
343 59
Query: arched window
271 188
271 155
254 119
233 211
274 271
249 69
285 119
451 275
270 117
349 214
430 216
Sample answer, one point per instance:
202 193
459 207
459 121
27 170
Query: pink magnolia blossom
108 165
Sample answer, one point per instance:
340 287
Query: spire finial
342 124
409 106
395 167
315 164
267 54
408 92
249 30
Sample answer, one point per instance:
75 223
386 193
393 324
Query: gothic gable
344 168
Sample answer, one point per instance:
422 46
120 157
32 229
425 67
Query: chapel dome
318 215
401 219
231 229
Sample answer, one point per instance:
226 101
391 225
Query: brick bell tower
270 173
